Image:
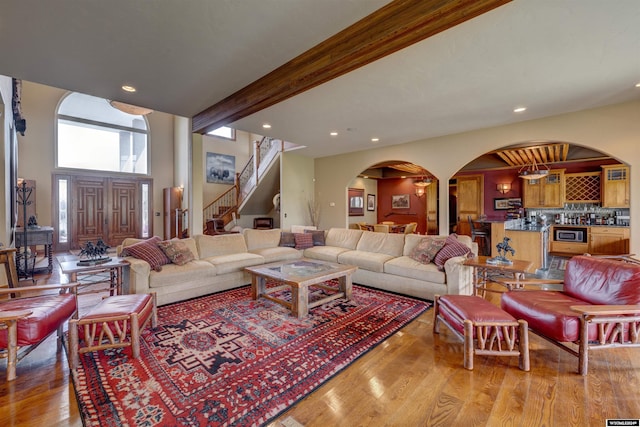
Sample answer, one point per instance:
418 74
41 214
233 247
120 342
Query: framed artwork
371 202
400 201
505 204
221 168
356 202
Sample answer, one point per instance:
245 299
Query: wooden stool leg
523 337
73 344
436 312
12 348
468 345
135 335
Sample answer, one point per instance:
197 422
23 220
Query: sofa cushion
602 281
223 244
371 261
425 251
149 251
318 237
258 239
278 254
325 253
191 272
178 251
234 262
452 248
343 238
404 266
287 240
382 243
303 240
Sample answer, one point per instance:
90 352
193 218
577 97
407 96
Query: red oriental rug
225 359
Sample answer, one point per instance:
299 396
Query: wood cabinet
582 187
529 245
470 190
608 240
547 192
575 248
432 208
615 186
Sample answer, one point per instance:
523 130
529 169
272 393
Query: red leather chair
599 307
25 321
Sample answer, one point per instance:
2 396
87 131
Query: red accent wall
417 211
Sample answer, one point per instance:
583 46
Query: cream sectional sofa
220 260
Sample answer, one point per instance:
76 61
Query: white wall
240 149
296 189
614 130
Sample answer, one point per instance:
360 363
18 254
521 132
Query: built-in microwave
569 235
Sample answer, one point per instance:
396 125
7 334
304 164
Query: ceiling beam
395 26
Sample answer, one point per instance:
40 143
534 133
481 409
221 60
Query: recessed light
638 84
519 109
365 176
334 134
266 126
128 88
375 139
403 176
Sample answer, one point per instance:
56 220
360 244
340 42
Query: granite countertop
531 227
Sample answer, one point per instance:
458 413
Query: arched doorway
397 192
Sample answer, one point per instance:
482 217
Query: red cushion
602 281
119 305
547 312
457 308
303 240
452 248
49 312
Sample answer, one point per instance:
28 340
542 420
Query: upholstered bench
494 331
115 322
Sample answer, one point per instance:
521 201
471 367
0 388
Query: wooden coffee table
481 271
298 276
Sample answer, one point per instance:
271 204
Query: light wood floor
412 379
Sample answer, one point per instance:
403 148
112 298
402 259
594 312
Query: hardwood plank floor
412 379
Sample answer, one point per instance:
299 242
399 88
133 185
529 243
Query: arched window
93 135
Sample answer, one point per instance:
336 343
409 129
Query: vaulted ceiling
551 56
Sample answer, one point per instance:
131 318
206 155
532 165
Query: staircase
237 199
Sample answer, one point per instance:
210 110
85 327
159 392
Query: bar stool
485 243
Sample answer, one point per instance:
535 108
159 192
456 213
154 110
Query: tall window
93 135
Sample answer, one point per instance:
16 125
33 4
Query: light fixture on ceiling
128 88
130 109
532 171
520 109
333 133
421 186
266 126
504 187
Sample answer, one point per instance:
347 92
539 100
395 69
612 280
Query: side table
117 268
482 270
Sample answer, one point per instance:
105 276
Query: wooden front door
107 208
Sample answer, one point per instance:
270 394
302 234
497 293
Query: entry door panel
124 217
89 199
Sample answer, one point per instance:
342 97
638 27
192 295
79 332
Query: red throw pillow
303 240
452 248
149 251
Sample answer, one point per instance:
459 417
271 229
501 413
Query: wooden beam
395 26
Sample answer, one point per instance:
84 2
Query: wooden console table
41 236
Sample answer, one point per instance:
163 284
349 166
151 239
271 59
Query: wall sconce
421 186
504 187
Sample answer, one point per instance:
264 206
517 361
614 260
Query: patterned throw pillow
303 240
426 250
318 237
287 240
452 248
148 251
178 252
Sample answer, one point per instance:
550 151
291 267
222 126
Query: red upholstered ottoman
115 322
494 331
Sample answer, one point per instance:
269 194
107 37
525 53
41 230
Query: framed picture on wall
400 201
505 204
221 168
371 202
356 202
